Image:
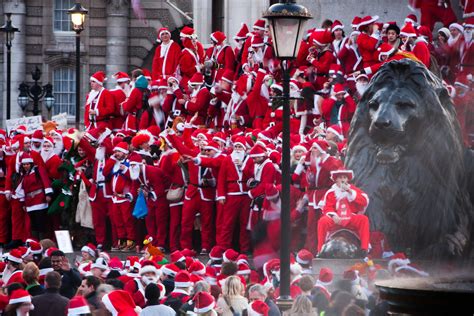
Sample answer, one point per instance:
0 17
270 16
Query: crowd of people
187 157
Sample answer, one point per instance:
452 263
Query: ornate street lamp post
9 31
287 20
36 93
78 16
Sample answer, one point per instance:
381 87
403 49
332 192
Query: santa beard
361 87
134 171
46 154
58 148
147 280
238 156
100 153
258 56
452 40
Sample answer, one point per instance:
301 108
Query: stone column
244 11
117 39
202 16
18 56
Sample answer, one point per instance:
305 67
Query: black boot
13 244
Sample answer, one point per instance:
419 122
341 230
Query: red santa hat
230 255
425 32
162 31
385 49
337 130
242 33
121 76
148 266
19 296
304 257
257 151
218 37
122 147
257 41
196 79
198 268
299 146
320 145
219 137
408 30
15 256
216 253
182 279
100 263
369 19
26 158
49 251
258 308
177 256
240 140
352 276
170 269
211 275
188 252
115 264
342 172
98 77
21 129
212 145
244 269
140 140
355 22
411 18
277 86
37 136
48 139
146 73
337 25
78 306
186 32
295 84
120 303
90 249
35 247
203 302
321 37
339 88
335 69
325 276
259 25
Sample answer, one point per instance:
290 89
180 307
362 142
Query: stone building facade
116 40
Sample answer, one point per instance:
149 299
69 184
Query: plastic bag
140 210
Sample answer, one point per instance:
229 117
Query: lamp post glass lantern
78 17
287 20
9 29
36 93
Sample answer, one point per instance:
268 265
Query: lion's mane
420 201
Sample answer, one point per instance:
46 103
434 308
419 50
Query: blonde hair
302 307
233 286
30 273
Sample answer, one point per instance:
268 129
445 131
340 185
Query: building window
64 89
62 21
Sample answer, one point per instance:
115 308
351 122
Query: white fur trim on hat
97 81
332 130
78 310
148 268
457 26
183 284
299 147
27 160
108 304
23 299
14 259
125 151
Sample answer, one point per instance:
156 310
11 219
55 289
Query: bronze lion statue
407 154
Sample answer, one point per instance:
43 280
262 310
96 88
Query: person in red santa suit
5 210
321 56
134 104
237 113
166 58
199 99
219 56
117 168
340 39
37 139
100 105
120 93
35 190
343 207
192 56
433 11
349 55
368 39
153 115
258 31
414 44
259 98
232 193
148 274
221 94
260 173
463 105
239 40
467 52
152 181
52 161
199 196
14 268
339 108
313 173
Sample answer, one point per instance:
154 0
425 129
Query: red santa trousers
190 209
100 207
312 228
20 221
157 220
235 211
123 220
5 214
358 223
175 226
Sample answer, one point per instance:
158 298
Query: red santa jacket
367 46
52 167
322 64
263 173
136 289
344 115
467 57
231 179
218 108
189 64
121 182
153 180
343 203
174 172
258 101
199 102
131 106
35 186
103 103
171 106
16 277
350 59
223 56
118 118
421 51
165 60
152 117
